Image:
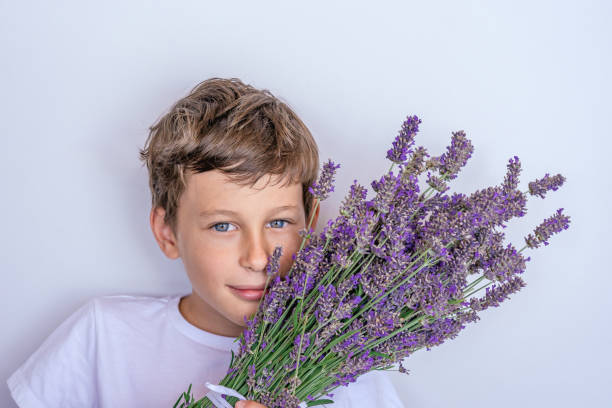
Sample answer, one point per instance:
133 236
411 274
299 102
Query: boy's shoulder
97 339
129 309
122 303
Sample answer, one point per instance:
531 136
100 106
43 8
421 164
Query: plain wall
82 81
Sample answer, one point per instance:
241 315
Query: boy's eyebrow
207 213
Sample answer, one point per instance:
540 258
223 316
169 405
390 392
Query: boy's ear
163 233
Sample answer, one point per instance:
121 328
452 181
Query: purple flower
325 302
341 234
329 330
273 261
380 321
514 170
497 294
354 200
441 329
344 310
404 140
416 164
345 379
353 367
436 183
365 232
301 284
274 301
325 184
309 258
251 377
546 229
388 276
386 189
494 206
301 348
503 263
456 156
305 339
540 187
248 338
377 277
355 341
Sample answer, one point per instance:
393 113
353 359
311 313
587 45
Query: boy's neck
200 315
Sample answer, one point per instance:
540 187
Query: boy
229 170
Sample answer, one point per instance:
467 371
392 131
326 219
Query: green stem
297 367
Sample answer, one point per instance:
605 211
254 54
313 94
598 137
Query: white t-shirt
127 351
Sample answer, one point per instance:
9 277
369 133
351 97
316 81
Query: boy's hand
249 404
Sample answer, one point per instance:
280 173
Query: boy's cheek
287 261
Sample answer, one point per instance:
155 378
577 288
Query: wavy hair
233 127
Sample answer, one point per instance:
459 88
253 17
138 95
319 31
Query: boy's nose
255 254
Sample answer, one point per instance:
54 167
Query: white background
82 81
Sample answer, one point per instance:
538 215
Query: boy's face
225 234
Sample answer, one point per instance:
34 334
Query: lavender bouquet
389 276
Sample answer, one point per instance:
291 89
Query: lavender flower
436 183
300 345
273 262
274 302
308 259
301 283
365 231
540 187
324 185
503 264
546 229
377 277
380 321
341 237
325 303
386 277
354 367
356 340
327 332
493 206
248 338
398 233
416 164
404 140
514 170
353 202
386 189
441 329
251 377
345 308
456 156
264 380
497 294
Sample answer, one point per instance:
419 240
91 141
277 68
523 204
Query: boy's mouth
248 293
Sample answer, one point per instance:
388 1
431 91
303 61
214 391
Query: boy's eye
278 223
222 227
226 226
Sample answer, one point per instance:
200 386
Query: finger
249 404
